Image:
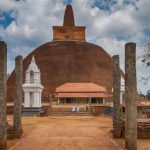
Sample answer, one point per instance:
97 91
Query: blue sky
26 24
6 19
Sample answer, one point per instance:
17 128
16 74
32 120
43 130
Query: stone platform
68 112
31 111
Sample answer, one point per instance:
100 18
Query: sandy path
67 134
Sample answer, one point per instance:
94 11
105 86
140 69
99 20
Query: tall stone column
3 95
130 97
18 97
116 97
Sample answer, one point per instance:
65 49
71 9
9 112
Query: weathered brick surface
3 95
116 97
68 62
130 97
69 31
18 97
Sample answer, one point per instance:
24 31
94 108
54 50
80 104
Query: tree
148 95
146 56
146 60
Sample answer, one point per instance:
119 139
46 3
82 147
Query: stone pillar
18 97
130 97
116 97
3 95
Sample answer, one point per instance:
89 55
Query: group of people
76 108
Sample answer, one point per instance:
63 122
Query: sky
27 24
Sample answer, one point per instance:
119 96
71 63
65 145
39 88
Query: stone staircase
67 112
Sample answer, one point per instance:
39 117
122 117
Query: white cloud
115 47
34 20
32 25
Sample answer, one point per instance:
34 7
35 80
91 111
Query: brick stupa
68 58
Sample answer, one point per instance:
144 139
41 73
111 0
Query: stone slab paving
60 137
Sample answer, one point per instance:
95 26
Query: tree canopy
148 95
146 56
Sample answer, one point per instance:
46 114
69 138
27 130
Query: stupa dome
68 59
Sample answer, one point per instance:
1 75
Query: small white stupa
32 90
122 90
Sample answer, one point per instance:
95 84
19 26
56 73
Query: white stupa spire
33 59
33 65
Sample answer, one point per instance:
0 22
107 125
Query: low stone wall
98 110
95 110
143 129
143 111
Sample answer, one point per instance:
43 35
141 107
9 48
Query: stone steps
66 109
67 112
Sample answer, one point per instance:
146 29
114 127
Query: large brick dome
68 59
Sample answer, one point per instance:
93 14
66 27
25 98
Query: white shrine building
32 90
122 90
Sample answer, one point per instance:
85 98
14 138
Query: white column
103 100
36 99
27 99
58 101
40 99
31 99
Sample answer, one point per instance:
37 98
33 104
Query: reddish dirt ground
69 133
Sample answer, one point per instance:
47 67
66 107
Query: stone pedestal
3 95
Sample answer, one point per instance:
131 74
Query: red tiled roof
140 103
81 95
80 87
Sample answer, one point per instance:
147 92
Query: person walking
73 108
